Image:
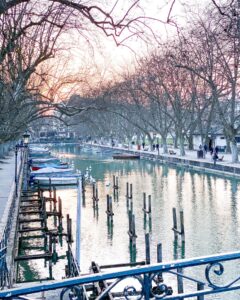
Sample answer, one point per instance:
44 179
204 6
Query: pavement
7 181
189 155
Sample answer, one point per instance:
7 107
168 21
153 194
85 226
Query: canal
210 204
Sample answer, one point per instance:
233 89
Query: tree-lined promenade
189 84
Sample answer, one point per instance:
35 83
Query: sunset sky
99 57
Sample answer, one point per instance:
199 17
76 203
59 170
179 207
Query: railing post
147 286
16 173
200 287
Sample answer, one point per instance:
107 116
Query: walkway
224 167
7 177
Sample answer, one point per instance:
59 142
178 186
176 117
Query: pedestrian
205 148
143 145
216 150
215 157
157 147
153 147
211 150
200 147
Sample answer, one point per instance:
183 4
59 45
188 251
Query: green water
210 205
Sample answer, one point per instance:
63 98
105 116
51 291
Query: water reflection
210 205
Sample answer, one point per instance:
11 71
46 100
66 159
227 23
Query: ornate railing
199 277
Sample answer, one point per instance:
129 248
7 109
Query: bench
171 152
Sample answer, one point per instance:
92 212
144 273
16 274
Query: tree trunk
181 144
228 146
190 142
234 151
164 144
175 141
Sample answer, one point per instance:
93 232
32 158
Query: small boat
39 154
60 165
68 180
126 156
51 172
44 160
38 149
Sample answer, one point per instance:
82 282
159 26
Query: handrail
213 263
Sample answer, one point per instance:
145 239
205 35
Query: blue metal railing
206 280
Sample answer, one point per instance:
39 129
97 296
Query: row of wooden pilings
35 210
147 214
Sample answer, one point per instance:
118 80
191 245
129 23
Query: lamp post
17 147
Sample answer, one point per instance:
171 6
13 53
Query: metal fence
182 279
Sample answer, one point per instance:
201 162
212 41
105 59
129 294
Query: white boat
45 160
49 171
39 149
71 180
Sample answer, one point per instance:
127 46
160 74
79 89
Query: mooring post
97 197
159 260
179 281
147 248
107 204
144 203
131 191
127 193
110 205
182 226
83 190
93 194
149 204
174 222
114 182
69 229
109 210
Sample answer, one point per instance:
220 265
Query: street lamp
26 137
17 147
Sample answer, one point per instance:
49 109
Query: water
210 205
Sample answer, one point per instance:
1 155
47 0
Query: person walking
215 157
205 148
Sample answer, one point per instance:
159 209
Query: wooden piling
127 190
131 189
182 226
159 260
109 210
180 281
147 248
144 203
149 204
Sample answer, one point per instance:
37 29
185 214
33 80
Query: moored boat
49 171
63 180
126 156
36 160
59 165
